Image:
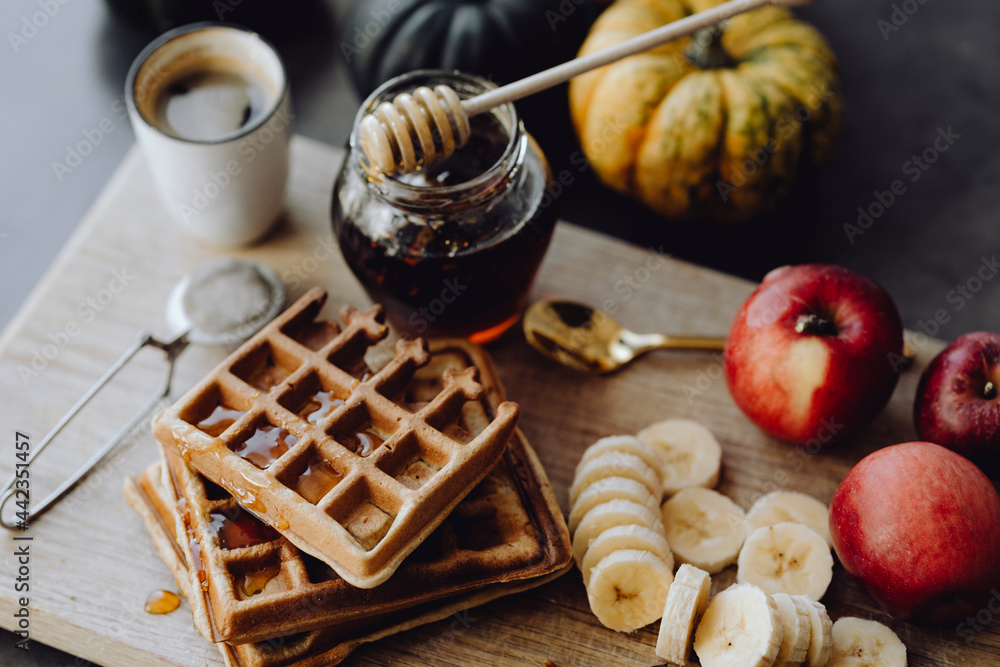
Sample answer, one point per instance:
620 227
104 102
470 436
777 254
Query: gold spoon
590 340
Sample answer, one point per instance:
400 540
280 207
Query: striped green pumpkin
716 125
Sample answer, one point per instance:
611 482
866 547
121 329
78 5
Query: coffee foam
208 50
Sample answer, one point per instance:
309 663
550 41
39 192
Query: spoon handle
690 343
640 343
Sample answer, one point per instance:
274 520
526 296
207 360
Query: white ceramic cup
227 190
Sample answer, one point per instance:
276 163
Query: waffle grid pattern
394 469
153 501
259 585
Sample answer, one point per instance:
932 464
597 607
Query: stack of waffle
307 503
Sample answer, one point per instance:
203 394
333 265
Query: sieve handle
171 349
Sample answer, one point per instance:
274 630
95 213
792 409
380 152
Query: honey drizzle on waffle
148 495
376 512
505 530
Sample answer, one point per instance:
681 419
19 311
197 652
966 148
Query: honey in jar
451 249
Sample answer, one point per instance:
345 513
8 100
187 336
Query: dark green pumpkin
502 40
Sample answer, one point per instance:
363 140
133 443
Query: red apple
958 403
919 525
814 353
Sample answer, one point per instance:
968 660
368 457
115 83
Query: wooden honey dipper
438 121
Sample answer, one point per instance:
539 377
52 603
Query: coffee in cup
210 107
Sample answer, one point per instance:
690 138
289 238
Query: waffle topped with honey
251 587
155 503
329 453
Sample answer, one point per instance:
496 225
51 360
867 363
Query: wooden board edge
80 642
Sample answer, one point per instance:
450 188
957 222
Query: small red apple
919 525
813 353
958 399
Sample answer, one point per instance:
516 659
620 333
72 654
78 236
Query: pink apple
919 525
958 402
814 353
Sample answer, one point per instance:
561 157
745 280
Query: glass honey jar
449 250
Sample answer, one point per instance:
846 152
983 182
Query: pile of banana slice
626 544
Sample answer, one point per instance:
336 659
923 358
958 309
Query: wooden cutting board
92 565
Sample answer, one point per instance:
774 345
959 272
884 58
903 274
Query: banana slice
686 602
628 589
786 558
690 454
861 643
607 489
629 444
615 464
796 630
793 507
740 628
625 537
704 528
608 515
821 639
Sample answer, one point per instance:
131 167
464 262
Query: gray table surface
938 72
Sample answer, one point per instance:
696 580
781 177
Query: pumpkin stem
706 50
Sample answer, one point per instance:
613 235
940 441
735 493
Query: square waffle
154 503
300 430
253 584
